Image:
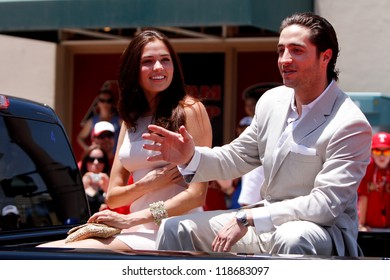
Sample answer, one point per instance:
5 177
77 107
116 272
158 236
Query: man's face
298 62
250 106
381 157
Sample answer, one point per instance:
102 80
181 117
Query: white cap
101 127
246 121
9 209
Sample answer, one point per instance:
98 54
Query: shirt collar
305 108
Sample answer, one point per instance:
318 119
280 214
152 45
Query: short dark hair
256 91
323 36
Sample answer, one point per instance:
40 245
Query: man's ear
327 55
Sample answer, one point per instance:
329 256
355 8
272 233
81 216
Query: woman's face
156 71
95 161
105 101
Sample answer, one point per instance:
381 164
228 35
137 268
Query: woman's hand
111 218
103 182
87 181
161 177
96 179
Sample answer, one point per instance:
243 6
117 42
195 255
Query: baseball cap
9 209
245 121
101 127
381 140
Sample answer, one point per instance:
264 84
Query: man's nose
285 57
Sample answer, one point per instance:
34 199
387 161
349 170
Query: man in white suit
314 145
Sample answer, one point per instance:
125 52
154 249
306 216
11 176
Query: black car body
38 174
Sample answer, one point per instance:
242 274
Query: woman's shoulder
198 121
193 105
189 100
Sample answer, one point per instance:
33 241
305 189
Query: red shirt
376 186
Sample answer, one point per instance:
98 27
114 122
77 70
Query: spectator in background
95 175
253 93
103 135
374 190
250 99
105 111
238 192
10 218
219 194
224 194
247 190
233 194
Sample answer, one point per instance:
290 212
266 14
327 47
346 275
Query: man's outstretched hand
177 148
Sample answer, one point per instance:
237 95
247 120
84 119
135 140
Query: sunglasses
104 136
379 152
92 159
103 100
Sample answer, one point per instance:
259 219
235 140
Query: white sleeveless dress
133 158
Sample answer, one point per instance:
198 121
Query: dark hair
83 167
323 36
112 96
132 100
256 91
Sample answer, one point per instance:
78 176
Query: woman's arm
198 124
84 133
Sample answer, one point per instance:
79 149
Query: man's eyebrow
291 45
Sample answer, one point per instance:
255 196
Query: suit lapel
317 115
315 118
284 150
276 128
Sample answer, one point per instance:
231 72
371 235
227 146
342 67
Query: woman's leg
110 243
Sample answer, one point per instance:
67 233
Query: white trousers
196 232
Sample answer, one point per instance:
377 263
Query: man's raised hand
177 148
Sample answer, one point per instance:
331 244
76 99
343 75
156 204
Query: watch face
241 215
241 218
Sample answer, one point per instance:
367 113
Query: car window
40 184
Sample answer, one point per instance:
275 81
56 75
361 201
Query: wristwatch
241 218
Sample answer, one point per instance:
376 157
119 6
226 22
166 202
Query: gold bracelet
158 211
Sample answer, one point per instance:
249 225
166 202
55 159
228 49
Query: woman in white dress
152 90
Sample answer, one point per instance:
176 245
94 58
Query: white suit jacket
315 175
